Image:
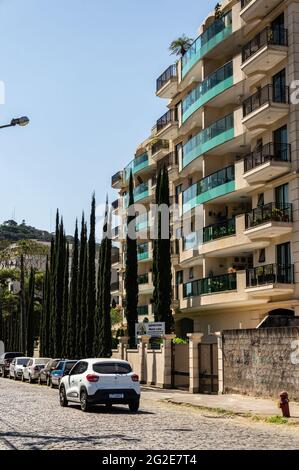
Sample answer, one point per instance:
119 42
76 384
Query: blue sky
84 72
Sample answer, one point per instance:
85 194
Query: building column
218 335
167 356
123 345
142 348
194 341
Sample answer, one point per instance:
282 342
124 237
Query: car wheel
9 376
85 406
62 397
134 405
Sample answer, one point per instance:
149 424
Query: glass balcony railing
136 165
267 94
116 178
141 222
270 274
143 279
211 285
192 240
142 251
213 35
142 310
213 85
215 185
219 230
216 134
269 36
170 72
168 118
272 212
268 153
140 192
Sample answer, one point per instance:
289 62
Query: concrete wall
261 362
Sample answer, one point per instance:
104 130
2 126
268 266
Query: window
79 368
178 190
260 200
262 256
282 194
191 273
279 87
112 368
179 277
69 365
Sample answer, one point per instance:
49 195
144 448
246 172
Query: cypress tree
65 298
103 337
131 274
79 325
91 286
45 320
59 291
83 297
72 308
162 259
30 315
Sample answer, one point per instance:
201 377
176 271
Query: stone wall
261 362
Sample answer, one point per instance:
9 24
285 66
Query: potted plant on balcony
180 45
277 215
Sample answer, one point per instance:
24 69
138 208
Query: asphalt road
31 418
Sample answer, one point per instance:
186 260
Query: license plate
116 395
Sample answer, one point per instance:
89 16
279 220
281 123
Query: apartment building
230 139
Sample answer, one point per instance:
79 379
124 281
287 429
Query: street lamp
22 121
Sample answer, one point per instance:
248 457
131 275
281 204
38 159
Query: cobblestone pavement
31 418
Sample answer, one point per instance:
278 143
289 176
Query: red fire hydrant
284 404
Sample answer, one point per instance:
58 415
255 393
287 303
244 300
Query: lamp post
22 121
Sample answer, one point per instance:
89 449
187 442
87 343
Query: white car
100 381
16 367
31 371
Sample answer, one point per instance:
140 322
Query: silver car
16 367
31 371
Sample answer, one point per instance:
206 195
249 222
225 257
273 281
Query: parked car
100 381
44 373
33 367
62 369
17 367
5 361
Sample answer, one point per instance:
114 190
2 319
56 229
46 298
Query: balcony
269 221
216 134
142 222
117 180
115 205
166 126
159 149
211 285
190 254
213 85
269 162
170 161
270 280
145 283
141 192
143 252
227 228
167 83
219 30
217 184
266 50
256 9
265 107
137 165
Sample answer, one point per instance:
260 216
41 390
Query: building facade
230 140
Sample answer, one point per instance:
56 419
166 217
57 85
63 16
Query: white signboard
153 329
1 348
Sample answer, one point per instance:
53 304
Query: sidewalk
237 404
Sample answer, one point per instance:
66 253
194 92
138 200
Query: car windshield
59 365
112 368
69 365
12 355
22 362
